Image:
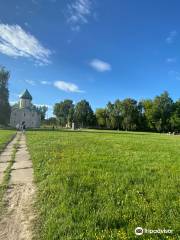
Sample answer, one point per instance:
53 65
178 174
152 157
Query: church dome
26 95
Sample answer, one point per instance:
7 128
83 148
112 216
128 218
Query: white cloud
15 42
12 103
35 1
171 37
26 24
41 105
174 74
67 87
30 82
45 82
78 13
100 65
171 60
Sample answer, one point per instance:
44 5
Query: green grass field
5 136
102 185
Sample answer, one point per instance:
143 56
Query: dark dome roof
26 95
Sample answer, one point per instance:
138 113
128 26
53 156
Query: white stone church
25 113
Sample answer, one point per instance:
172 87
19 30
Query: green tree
130 114
64 112
52 121
142 121
4 97
175 117
109 114
162 111
147 113
101 117
42 110
118 114
84 115
114 114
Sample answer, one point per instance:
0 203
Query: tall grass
103 185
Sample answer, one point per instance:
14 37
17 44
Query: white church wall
23 103
25 112
30 117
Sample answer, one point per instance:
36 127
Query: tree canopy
64 112
83 114
42 110
160 114
4 97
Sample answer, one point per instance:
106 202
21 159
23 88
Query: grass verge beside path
5 137
6 178
96 186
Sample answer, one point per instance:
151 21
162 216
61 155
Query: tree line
160 114
5 108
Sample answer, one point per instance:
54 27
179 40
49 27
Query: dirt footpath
16 223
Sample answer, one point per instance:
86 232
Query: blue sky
90 49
